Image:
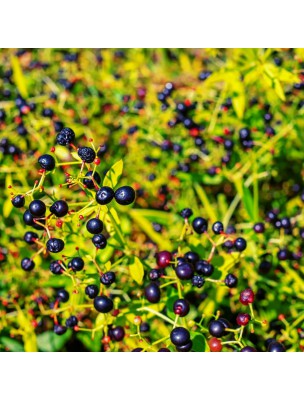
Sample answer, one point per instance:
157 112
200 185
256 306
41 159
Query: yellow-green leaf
18 76
137 270
113 175
238 104
278 89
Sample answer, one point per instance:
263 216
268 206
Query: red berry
243 319
163 259
215 345
247 297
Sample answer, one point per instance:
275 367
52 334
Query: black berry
77 264
92 291
108 278
60 208
180 336
231 281
55 245
94 225
37 208
152 293
47 162
87 154
27 264
200 225
18 201
89 183
104 195
103 304
65 136
181 307
99 241
218 228
184 271
125 195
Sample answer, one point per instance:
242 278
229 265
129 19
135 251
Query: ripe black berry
186 213
27 264
87 154
55 245
259 227
60 208
104 195
283 254
191 257
247 297
264 267
231 281
200 225
202 267
65 137
248 349
117 333
62 295
37 208
218 228
184 271
94 225
240 244
92 291
163 259
30 237
216 328
179 336
47 162
99 241
71 321
181 307
59 329
276 347
103 304
154 274
89 183
152 293
18 201
108 278
56 267
198 281
125 195
77 264
185 347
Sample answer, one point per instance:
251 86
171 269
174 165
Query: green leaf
49 341
248 202
199 342
12 344
137 270
18 76
113 175
7 208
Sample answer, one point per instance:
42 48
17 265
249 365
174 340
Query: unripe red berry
215 345
247 297
243 319
163 259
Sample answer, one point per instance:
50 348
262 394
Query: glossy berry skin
144 327
181 307
60 208
185 347
77 264
191 257
18 201
59 329
125 195
259 227
163 350
30 237
231 281
198 281
283 255
37 208
55 245
184 271
62 295
247 297
117 334
47 162
99 241
87 154
108 278
88 182
216 329
65 137
56 268
27 264
275 347
186 213
200 225
218 228
104 195
240 244
71 321
163 259
202 267
28 219
94 225
226 323
92 291
243 319
179 336
248 349
154 274
215 345
152 293
103 304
